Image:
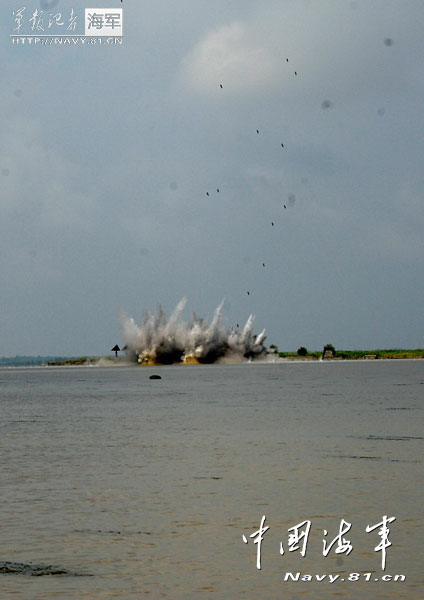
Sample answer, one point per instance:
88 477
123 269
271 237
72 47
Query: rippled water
143 487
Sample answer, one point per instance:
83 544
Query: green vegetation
36 361
391 353
83 360
382 354
310 355
302 351
28 361
329 348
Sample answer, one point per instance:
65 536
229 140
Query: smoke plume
157 339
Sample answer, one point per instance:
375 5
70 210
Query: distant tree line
330 351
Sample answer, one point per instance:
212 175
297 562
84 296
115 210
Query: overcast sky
107 154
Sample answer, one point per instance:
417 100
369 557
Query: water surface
144 488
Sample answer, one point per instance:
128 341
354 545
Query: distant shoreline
380 354
340 355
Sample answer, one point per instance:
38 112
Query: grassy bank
391 353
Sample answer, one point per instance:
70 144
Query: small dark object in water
282 145
220 85
155 377
15 568
257 131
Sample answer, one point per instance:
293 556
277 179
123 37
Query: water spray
159 340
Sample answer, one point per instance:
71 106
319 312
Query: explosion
159 340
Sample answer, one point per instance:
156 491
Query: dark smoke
157 339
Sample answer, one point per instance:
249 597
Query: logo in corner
103 22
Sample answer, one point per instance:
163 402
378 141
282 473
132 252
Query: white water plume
159 339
